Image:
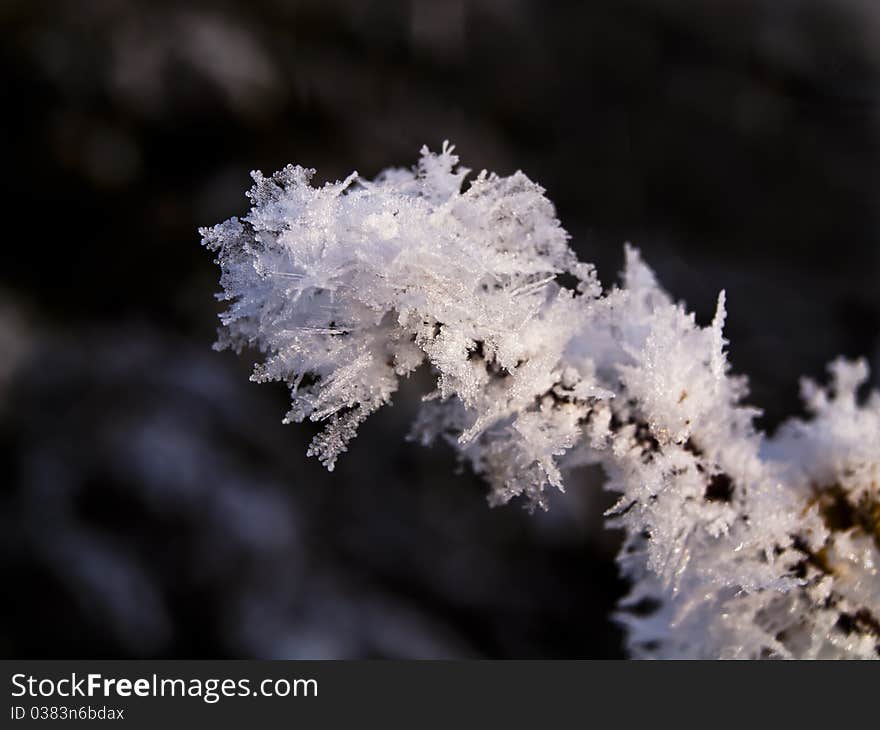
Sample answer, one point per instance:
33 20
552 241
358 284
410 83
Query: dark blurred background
152 503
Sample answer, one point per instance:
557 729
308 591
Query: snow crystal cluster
736 545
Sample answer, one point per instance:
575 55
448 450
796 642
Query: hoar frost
737 545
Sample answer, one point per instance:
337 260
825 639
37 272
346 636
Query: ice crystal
737 546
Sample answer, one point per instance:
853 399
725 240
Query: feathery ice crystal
737 545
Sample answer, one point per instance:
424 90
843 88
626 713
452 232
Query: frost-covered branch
737 545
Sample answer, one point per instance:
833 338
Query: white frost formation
737 545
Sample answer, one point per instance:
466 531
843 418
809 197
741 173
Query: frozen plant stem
737 545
